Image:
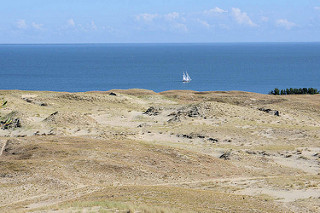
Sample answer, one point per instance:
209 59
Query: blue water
254 67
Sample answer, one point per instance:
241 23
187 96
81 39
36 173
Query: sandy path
51 199
45 200
282 195
217 180
3 147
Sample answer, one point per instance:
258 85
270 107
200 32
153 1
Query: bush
291 91
3 104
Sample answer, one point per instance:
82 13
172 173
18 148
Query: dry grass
161 199
100 153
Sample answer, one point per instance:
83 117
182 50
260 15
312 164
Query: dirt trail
45 200
219 180
3 147
51 199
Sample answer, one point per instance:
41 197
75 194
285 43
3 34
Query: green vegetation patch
294 91
111 206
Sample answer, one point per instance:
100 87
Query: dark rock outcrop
174 119
191 136
213 140
51 117
153 111
184 136
31 101
143 125
270 111
225 156
191 112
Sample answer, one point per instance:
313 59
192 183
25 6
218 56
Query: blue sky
152 21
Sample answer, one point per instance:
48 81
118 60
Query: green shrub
291 91
3 104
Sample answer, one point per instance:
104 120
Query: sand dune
174 151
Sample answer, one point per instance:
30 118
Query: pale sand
104 148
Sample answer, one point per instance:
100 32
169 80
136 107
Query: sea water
254 67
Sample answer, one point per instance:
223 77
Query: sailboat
186 78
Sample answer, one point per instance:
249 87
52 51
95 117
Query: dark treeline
293 91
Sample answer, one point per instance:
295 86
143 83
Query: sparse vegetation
10 121
100 153
294 91
111 206
3 104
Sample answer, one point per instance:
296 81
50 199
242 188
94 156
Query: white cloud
242 18
317 8
172 16
71 22
204 23
21 24
164 22
285 23
215 10
36 26
148 17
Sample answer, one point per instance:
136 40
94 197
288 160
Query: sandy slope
174 151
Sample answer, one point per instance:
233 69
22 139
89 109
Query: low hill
174 151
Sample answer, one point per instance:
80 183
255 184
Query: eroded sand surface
175 151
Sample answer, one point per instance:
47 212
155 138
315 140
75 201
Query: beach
175 151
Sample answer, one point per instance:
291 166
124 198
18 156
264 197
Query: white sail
185 77
188 77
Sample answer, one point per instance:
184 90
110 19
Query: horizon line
227 42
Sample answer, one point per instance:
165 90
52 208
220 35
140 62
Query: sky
158 21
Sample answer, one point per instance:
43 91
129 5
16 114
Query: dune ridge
174 151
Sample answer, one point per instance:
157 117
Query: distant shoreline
147 91
133 89
165 43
